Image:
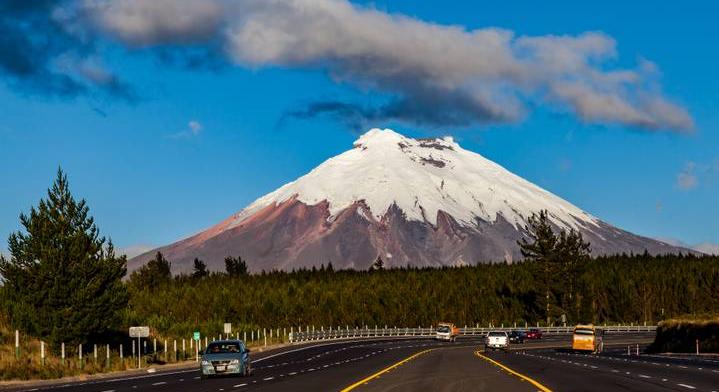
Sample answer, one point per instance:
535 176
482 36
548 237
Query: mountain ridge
421 202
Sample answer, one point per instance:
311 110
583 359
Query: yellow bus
588 338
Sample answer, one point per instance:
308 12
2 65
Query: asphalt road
438 366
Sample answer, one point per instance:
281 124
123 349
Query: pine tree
153 274
541 248
199 270
235 266
62 282
378 264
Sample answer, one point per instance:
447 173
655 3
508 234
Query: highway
426 365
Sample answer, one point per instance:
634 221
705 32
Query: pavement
417 364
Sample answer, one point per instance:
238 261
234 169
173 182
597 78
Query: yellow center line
385 370
522 376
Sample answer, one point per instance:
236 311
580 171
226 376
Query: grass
680 335
30 366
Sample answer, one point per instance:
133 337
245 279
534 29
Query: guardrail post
107 356
122 360
62 353
42 353
17 344
79 353
94 353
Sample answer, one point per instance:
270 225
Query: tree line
63 282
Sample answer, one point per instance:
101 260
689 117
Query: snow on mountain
423 202
422 177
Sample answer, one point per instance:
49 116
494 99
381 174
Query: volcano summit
419 202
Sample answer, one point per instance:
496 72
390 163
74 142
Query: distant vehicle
497 340
447 331
588 338
517 336
534 333
225 357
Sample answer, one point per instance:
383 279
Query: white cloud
195 127
686 179
435 74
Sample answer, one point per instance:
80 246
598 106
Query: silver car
225 357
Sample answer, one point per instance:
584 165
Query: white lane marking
268 378
683 367
159 383
196 378
644 376
686 386
239 385
109 390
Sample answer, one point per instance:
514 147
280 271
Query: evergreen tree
153 274
573 252
542 248
199 270
378 264
235 266
62 282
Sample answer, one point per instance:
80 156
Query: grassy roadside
29 365
681 336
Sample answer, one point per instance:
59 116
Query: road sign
228 328
139 332
196 335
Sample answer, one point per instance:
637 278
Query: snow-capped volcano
425 202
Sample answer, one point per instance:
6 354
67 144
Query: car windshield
583 331
223 348
443 329
497 334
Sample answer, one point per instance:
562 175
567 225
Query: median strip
521 376
385 370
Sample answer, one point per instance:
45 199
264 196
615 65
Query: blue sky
152 178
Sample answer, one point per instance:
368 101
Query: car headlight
235 362
205 362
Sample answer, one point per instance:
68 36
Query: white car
497 340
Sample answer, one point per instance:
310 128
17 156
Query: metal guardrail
363 333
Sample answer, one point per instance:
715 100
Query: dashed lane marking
686 386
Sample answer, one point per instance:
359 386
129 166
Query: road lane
446 369
331 366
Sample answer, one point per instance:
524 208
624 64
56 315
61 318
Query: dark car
534 333
517 337
226 357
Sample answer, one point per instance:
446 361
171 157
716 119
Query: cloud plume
425 73
434 74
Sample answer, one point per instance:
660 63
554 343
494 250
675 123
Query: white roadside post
264 333
62 352
122 358
17 344
184 353
79 354
133 350
42 353
165 347
94 353
154 346
244 336
174 349
107 356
